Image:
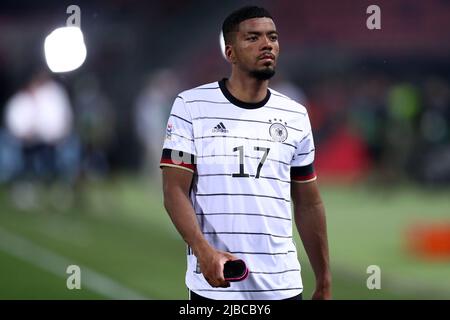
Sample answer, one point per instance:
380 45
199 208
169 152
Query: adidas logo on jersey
220 128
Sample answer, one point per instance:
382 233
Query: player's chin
263 73
268 64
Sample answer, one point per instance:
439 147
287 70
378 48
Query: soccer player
236 154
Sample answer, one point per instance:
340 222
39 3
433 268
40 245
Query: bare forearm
176 184
183 217
311 225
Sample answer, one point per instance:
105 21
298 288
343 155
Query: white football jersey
244 157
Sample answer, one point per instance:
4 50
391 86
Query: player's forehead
260 25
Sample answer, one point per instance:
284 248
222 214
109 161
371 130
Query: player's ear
229 53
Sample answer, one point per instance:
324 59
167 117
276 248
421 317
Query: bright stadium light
65 49
222 45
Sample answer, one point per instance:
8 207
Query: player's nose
267 44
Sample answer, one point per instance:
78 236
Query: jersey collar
239 103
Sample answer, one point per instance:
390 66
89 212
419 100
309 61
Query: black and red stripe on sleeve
303 174
175 158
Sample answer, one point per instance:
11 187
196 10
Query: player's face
255 47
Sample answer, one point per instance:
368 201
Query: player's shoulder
200 92
285 102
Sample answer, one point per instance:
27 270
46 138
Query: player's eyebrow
258 33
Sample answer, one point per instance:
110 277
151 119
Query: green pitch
120 232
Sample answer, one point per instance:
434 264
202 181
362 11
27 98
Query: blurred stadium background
79 179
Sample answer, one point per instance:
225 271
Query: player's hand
322 292
211 265
321 295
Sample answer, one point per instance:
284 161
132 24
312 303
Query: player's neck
247 89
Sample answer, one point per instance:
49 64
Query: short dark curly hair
231 23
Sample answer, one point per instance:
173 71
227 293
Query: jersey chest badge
277 130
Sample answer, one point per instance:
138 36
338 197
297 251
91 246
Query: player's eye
274 38
252 38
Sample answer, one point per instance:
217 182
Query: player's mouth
267 57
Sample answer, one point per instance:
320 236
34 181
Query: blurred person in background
368 113
95 123
39 120
433 151
151 111
404 107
